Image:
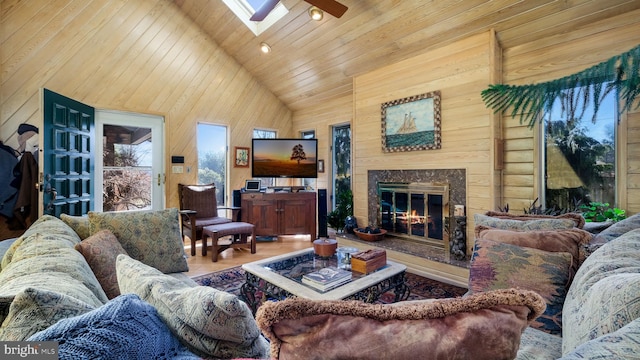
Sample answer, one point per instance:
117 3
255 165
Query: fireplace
418 211
417 208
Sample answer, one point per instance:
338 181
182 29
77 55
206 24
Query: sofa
593 304
84 281
112 286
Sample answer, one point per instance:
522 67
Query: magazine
327 275
327 278
326 287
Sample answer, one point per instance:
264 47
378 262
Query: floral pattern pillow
152 237
496 265
523 225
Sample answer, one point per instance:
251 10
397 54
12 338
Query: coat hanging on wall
8 194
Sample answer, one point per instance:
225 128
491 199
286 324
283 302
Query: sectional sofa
86 281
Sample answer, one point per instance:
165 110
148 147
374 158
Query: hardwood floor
199 265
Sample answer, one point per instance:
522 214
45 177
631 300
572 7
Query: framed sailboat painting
412 123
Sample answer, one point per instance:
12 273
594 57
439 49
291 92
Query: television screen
291 158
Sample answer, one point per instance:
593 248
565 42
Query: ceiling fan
332 7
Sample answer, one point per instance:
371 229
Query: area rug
230 280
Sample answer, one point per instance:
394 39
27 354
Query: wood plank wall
460 71
141 56
469 131
322 119
552 58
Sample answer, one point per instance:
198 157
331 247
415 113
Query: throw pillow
497 265
523 225
571 241
33 310
101 250
479 326
152 237
48 225
124 328
51 263
577 218
79 224
44 258
616 230
605 294
212 323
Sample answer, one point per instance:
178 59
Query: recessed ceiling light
265 48
315 13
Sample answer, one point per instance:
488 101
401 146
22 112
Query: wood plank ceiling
313 61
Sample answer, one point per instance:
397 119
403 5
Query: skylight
244 9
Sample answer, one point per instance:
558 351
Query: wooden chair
199 208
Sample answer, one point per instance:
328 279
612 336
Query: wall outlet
177 169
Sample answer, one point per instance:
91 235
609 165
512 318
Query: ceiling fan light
315 13
265 48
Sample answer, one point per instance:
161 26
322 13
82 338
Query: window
265 134
244 9
131 161
341 160
579 153
309 134
212 158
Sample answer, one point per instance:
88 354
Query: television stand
277 189
280 213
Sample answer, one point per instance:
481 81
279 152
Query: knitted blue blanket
125 328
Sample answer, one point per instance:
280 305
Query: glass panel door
341 161
130 171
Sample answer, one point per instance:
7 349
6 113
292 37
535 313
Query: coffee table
280 277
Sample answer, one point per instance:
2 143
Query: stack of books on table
327 278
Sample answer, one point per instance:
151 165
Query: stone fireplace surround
420 258
456 178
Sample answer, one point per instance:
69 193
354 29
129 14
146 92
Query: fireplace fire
417 211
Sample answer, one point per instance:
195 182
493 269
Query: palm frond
532 100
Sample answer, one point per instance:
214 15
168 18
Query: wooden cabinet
280 213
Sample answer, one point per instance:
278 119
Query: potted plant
344 208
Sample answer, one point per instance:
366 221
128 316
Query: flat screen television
284 158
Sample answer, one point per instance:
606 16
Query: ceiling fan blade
264 10
332 7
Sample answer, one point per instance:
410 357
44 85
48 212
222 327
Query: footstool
240 232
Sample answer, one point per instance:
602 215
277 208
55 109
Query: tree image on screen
294 158
298 153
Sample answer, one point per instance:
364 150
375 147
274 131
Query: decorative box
368 261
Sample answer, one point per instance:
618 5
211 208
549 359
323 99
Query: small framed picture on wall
242 157
320 166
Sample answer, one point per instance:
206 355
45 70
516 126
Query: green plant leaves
530 101
600 212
